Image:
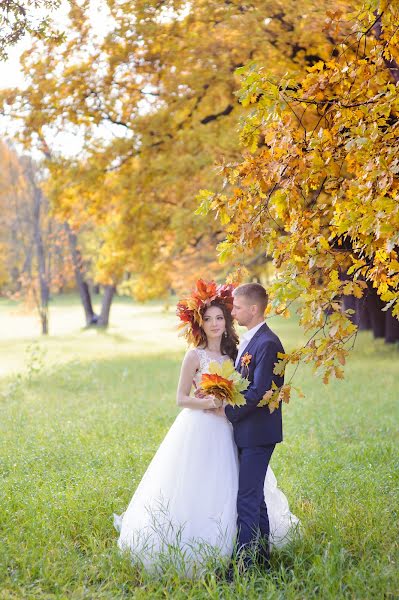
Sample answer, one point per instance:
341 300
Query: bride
184 509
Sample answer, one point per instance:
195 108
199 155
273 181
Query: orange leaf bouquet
225 383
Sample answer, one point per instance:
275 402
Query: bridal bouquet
225 383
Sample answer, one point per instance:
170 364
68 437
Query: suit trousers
252 518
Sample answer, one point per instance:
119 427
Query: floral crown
190 310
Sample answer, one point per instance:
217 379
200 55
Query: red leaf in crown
225 293
205 292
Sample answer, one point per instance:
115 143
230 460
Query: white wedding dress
184 509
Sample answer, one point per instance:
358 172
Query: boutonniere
245 360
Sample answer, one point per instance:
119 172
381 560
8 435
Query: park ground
83 411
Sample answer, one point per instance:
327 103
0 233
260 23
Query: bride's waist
204 414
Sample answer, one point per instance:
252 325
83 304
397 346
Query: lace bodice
205 359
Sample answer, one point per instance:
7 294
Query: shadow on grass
104 332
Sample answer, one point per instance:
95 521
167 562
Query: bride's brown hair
229 343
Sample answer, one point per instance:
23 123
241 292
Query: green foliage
35 360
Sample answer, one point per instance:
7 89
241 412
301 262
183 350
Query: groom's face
242 311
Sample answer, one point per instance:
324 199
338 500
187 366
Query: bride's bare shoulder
192 357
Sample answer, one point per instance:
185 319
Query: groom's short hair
255 294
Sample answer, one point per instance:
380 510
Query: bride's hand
211 403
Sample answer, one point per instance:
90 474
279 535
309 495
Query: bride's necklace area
213 354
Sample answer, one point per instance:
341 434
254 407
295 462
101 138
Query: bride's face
214 323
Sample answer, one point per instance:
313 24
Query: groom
256 430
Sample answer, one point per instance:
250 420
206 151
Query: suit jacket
254 426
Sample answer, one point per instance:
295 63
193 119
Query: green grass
82 413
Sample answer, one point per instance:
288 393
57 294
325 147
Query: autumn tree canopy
317 188
154 105
154 101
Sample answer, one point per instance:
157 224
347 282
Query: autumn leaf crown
191 310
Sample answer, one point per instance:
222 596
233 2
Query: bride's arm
189 367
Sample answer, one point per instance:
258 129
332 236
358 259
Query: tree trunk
391 328
390 63
362 318
369 315
109 291
83 288
44 290
350 302
27 267
44 320
377 316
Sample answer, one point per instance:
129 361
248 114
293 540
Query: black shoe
224 574
264 564
219 573
229 575
263 556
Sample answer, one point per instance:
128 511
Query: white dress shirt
245 339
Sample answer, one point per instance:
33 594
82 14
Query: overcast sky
10 72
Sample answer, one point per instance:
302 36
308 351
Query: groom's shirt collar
248 335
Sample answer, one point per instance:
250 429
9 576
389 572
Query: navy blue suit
256 432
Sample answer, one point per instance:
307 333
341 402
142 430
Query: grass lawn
82 413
